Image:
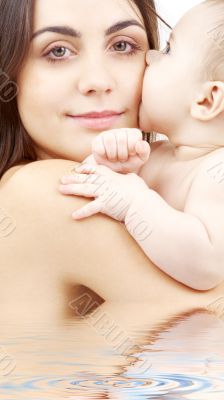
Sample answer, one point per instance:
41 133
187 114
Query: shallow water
118 352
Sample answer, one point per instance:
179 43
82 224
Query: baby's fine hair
215 57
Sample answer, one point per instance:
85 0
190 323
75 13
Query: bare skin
63 252
163 166
181 209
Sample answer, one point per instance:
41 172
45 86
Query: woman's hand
122 150
113 192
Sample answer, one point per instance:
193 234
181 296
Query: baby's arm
186 245
122 150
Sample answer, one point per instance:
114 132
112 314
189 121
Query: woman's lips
97 120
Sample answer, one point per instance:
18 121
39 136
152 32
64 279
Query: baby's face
173 75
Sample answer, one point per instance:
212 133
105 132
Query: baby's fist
122 150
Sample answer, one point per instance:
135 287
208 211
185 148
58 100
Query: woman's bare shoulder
33 192
50 168
37 176
36 185
79 249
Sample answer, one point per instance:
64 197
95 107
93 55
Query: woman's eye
58 53
120 46
126 47
167 48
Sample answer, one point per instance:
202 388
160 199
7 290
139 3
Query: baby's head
184 83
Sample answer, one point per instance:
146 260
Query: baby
170 197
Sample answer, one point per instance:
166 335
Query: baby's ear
210 102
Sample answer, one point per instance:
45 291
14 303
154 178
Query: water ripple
159 384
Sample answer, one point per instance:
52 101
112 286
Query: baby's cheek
148 88
150 109
144 119
148 95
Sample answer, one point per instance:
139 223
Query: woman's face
83 74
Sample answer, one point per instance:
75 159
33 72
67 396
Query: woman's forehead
83 14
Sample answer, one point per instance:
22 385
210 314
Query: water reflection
163 356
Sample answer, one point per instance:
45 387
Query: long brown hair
16 28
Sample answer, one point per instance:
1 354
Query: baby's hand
122 150
113 193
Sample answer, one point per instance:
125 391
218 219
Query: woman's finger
91 208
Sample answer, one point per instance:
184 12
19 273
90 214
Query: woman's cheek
39 99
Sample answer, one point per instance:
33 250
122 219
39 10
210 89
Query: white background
171 11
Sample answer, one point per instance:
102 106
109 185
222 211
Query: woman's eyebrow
63 30
122 25
69 31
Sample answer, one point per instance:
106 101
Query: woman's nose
95 78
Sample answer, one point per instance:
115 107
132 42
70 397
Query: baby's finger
85 189
90 209
67 179
86 168
98 146
83 175
88 160
110 144
134 135
122 145
143 150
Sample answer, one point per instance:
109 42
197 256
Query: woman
78 67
